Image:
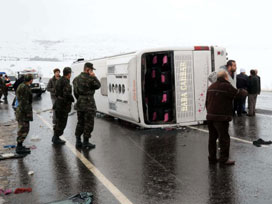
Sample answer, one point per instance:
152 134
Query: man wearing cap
62 106
51 87
85 85
241 83
24 113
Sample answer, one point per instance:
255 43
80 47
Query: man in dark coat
259 78
241 83
62 105
24 113
219 101
85 85
253 91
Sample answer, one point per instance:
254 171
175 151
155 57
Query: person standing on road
7 81
51 87
253 90
62 106
85 85
24 113
242 83
2 84
219 102
259 78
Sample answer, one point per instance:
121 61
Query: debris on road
11 156
30 173
9 146
81 198
33 147
22 190
42 111
8 191
35 139
72 113
260 142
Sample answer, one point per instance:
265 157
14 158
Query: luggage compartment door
184 82
202 65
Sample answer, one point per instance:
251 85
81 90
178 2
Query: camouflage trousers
53 99
85 123
23 129
61 121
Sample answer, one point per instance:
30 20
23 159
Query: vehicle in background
37 85
12 81
43 87
156 88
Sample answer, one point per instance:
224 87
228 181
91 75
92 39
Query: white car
37 86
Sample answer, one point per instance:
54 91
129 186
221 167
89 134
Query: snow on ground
45 68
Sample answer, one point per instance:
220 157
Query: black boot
86 144
20 149
78 142
56 140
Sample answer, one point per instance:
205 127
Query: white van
37 86
156 87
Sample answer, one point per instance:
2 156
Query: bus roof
149 50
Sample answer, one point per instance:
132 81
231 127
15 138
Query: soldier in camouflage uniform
62 106
24 113
85 85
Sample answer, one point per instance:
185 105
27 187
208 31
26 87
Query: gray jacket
51 86
213 76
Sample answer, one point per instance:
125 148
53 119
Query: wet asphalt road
147 166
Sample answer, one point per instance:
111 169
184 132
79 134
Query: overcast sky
226 23
240 26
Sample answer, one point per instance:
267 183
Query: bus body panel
202 69
121 77
184 73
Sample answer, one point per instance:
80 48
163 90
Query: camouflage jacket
84 89
24 97
64 95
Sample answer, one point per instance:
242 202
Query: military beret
66 71
28 77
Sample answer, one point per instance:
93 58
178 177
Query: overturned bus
156 87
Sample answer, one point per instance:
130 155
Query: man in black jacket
63 104
253 91
241 83
219 101
259 78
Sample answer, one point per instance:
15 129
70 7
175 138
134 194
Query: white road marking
106 182
233 138
2 201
